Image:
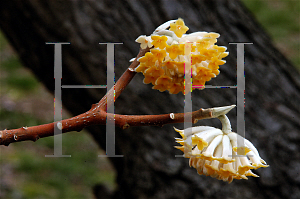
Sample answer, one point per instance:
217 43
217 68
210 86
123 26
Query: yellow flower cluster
214 152
164 65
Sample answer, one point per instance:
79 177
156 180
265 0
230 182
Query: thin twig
121 83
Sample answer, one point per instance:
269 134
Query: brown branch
76 123
97 115
89 118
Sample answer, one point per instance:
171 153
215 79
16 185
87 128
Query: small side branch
125 122
121 83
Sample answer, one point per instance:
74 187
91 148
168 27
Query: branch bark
90 118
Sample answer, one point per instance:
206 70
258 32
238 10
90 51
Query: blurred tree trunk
149 168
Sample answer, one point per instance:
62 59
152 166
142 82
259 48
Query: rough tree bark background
149 168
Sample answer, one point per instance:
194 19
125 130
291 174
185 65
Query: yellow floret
141 68
152 73
169 64
216 61
175 88
175 50
178 27
197 58
202 44
179 67
159 41
149 59
162 83
159 54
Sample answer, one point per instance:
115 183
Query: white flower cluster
214 152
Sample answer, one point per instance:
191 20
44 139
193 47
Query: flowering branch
221 154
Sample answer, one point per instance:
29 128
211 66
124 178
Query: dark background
149 165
